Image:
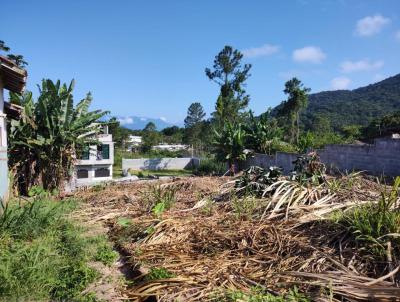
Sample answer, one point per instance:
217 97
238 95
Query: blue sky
147 58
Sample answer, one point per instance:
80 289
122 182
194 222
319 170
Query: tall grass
43 255
374 225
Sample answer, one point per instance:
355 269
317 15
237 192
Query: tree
45 141
193 123
150 137
3 46
230 75
297 101
195 114
18 60
120 134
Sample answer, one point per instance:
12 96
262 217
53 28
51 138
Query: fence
160 163
381 157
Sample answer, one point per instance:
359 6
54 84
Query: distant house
13 79
133 143
172 147
95 162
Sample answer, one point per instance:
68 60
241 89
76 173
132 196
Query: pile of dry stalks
211 242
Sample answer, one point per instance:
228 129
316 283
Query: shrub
210 166
374 225
259 295
156 273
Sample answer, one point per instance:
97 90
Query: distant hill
358 106
138 123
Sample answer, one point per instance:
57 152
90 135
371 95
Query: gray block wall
381 157
160 163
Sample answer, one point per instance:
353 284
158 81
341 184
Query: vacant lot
203 239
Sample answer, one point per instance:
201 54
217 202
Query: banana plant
230 145
44 142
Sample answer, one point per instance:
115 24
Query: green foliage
230 144
159 199
18 60
43 256
150 137
210 166
374 225
44 142
291 108
259 295
255 180
105 254
119 134
231 76
355 107
388 124
309 169
264 134
244 208
157 273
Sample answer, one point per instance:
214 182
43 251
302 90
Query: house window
103 152
82 173
102 172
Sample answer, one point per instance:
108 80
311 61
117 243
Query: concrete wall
159 163
381 157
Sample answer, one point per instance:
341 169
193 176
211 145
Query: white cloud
362 65
309 54
397 35
264 50
125 120
286 75
378 77
163 118
371 25
340 83
143 119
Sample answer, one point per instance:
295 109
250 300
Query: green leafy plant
258 294
105 254
255 180
309 169
374 225
157 273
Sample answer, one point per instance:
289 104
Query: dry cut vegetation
212 239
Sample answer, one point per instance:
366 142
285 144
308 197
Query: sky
147 58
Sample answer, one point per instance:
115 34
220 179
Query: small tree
4 47
193 123
150 137
230 145
18 60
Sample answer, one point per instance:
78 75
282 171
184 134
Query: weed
374 224
157 273
43 255
208 208
159 208
158 199
257 294
124 221
105 254
244 208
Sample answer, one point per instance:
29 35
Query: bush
43 255
259 295
210 166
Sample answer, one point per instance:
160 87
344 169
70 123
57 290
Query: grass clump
375 225
43 255
105 253
260 295
157 273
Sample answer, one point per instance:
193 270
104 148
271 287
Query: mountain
358 106
138 122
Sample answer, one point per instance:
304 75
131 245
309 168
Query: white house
13 79
95 162
133 142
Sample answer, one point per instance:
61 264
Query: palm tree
18 60
44 142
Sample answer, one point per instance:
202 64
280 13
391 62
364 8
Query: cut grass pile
44 255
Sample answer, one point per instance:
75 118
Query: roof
14 78
12 110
